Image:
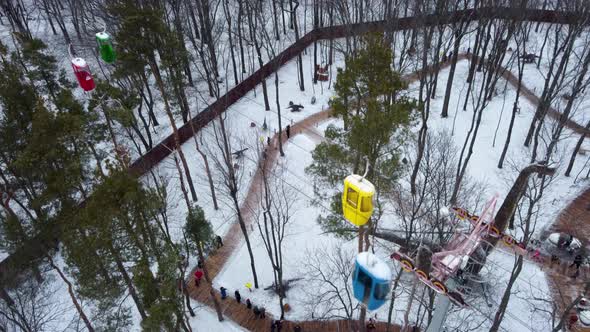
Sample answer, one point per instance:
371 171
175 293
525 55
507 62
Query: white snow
358 181
377 267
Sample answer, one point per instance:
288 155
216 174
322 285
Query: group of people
259 311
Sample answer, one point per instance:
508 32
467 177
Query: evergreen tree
198 228
44 143
376 117
166 313
117 230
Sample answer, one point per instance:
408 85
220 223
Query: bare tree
527 213
230 177
277 202
34 307
520 37
580 84
491 73
73 297
562 50
328 278
577 149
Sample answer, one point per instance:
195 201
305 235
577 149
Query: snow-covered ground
306 238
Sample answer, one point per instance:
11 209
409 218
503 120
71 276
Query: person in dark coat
223 291
273 326
256 311
288 129
219 241
554 259
577 261
248 304
297 328
200 264
568 241
262 312
268 141
279 325
238 296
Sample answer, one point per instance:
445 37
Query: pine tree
116 229
368 100
166 313
198 228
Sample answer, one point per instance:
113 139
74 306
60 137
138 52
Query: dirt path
233 239
566 288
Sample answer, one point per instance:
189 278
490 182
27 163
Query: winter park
294 165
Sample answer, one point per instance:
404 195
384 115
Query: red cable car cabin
82 72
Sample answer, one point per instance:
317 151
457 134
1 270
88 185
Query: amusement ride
372 276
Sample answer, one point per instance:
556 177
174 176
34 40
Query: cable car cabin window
366 204
381 291
352 197
365 279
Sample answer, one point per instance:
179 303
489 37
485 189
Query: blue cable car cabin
371 280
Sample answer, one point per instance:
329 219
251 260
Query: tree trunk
499 316
513 117
216 303
230 40
128 282
160 83
576 149
72 295
279 114
549 91
233 188
457 43
207 168
181 179
257 46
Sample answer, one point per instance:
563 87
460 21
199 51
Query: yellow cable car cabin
357 199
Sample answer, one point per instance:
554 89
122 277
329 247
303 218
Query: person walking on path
223 291
262 312
288 130
248 304
219 241
268 141
198 276
256 311
238 296
577 261
554 259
